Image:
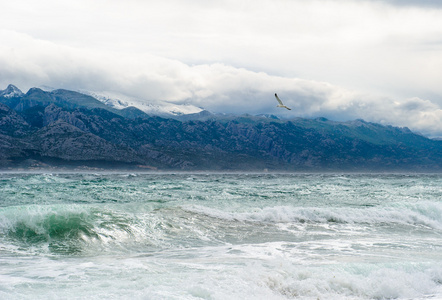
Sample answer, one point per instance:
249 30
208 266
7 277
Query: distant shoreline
203 172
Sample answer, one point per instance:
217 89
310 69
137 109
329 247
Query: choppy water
220 236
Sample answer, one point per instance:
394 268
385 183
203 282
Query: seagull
280 103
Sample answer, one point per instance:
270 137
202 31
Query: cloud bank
375 60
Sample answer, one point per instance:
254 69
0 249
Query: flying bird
280 103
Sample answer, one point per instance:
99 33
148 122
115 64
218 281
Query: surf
219 236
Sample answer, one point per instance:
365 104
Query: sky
377 60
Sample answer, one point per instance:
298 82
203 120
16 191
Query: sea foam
424 213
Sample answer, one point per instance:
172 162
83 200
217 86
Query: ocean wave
83 229
359 281
423 213
75 228
68 228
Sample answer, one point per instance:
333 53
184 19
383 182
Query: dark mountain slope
67 142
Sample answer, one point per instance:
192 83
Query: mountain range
68 129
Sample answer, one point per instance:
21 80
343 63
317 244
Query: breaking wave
70 228
74 228
418 214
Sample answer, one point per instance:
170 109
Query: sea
122 235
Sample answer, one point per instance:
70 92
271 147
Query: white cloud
346 59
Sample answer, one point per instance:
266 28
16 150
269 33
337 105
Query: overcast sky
376 60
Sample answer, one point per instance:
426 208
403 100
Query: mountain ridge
63 128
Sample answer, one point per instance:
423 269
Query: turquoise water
220 236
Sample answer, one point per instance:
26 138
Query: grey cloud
417 3
416 104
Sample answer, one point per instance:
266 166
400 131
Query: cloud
360 44
216 87
376 60
416 3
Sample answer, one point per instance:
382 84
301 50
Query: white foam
357 282
215 273
422 213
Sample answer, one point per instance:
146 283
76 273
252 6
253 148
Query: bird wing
279 100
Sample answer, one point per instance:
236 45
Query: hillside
69 129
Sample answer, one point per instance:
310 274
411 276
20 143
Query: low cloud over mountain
63 128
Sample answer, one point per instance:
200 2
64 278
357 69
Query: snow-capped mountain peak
120 101
11 91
